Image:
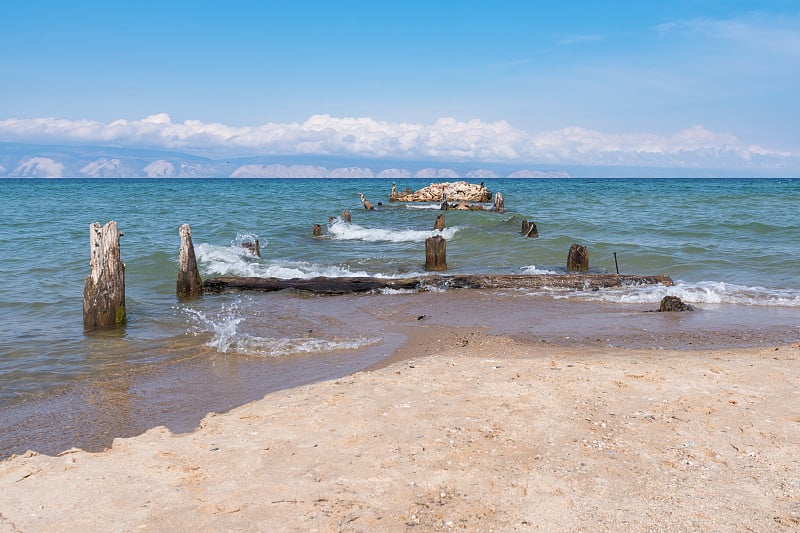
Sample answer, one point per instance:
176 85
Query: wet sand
198 380
494 414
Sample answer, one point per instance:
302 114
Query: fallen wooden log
346 285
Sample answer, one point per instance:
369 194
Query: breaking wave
341 230
704 292
234 260
226 337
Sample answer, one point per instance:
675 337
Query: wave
427 207
226 337
533 269
703 292
234 260
341 230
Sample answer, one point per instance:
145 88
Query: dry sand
461 431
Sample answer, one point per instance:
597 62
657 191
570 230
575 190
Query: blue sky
698 83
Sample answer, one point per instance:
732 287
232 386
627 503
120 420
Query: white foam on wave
704 292
234 260
387 290
436 207
341 230
533 269
226 337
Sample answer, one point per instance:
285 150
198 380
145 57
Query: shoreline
463 430
179 394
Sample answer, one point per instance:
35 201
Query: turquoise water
725 242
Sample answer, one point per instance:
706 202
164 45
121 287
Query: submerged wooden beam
325 285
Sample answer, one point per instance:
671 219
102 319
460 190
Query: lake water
725 243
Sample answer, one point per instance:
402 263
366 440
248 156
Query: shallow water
727 243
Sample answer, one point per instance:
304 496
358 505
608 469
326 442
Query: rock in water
673 303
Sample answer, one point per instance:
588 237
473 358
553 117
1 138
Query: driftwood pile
459 191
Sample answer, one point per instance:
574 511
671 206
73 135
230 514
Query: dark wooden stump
189 282
346 216
499 203
436 254
317 230
439 225
104 288
529 229
673 303
578 258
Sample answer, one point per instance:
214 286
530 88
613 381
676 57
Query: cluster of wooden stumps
104 289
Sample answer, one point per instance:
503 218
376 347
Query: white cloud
773 35
445 139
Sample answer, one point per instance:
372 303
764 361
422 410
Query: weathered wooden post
439 225
189 282
253 247
436 253
529 229
499 203
578 258
346 216
317 230
104 288
368 206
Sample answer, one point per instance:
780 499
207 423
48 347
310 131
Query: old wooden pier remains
104 290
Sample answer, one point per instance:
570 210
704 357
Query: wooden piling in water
104 288
436 254
578 258
317 230
346 216
367 205
189 282
439 224
499 202
529 229
253 247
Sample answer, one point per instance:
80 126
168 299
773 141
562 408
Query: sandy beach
460 430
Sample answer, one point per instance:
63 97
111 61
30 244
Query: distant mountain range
39 161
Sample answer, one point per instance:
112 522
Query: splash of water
341 230
226 336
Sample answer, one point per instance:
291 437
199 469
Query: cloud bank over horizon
447 139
